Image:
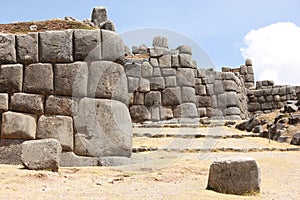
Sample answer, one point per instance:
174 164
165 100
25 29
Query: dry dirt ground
154 175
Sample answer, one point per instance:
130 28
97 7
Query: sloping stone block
113 48
87 45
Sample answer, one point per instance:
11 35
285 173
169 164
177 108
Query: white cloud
275 52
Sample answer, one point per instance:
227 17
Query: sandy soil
159 175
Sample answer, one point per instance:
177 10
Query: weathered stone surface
160 41
157 52
214 102
61 105
38 78
113 161
27 48
152 98
168 72
87 45
146 70
108 80
185 77
175 61
186 110
204 101
184 49
164 61
99 15
144 85
214 113
230 85
133 84
3 102
10 151
138 99
7 48
166 112
185 60
18 126
252 107
71 79
57 127
157 83
108 25
113 48
103 128
155 113
139 113
56 46
170 81
154 62
210 89
143 49
29 103
296 139
133 70
41 154
200 90
232 111
156 72
289 108
266 106
202 112
232 99
218 87
11 78
188 95
69 159
171 96
234 176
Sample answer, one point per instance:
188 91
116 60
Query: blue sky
219 26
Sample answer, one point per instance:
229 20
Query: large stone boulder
296 139
237 175
103 128
41 154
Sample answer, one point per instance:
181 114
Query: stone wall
267 97
68 85
166 86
